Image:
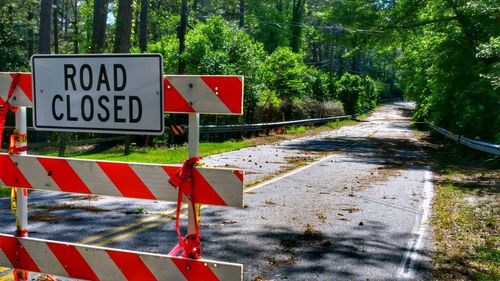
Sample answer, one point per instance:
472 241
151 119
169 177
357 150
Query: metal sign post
19 147
22 194
193 151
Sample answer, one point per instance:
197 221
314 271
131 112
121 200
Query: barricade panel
214 186
98 263
205 94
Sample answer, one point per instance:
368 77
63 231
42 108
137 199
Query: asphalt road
358 211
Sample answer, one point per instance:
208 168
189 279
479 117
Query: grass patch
297 130
466 218
341 123
5 191
163 155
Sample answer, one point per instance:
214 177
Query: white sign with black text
111 93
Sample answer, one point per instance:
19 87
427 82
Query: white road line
407 267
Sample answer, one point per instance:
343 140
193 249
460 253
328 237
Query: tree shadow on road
398 153
281 252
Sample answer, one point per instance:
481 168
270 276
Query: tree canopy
295 54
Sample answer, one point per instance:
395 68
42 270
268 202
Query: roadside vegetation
177 154
466 213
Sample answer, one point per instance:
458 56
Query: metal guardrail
474 144
77 142
266 126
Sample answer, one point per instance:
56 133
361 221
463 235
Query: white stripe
163 268
203 99
102 265
4 261
407 266
226 271
44 258
5 80
156 179
226 184
35 173
94 178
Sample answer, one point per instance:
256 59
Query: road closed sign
115 93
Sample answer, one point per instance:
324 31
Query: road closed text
99 92
107 105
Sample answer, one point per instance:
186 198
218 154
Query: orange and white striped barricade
203 94
213 186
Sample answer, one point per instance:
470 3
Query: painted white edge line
407 267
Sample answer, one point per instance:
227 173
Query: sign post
98 93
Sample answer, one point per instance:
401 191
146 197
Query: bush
358 94
215 47
348 91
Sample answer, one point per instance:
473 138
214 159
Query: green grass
297 130
466 218
341 123
5 191
169 155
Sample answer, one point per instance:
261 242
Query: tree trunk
242 13
30 32
66 21
99 26
181 34
44 48
122 40
123 27
75 35
136 18
55 25
143 30
296 24
44 32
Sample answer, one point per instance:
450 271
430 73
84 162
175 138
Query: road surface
357 211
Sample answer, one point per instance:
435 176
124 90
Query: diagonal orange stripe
204 193
228 89
194 270
64 175
126 180
72 261
131 266
17 254
174 101
25 84
10 173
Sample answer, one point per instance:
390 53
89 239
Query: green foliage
270 22
284 73
451 66
348 91
168 46
13 56
357 93
216 48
